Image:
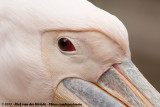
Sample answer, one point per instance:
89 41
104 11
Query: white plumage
23 74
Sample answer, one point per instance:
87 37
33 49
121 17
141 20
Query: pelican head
58 51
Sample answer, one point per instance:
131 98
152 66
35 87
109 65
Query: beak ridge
127 83
85 93
121 86
132 73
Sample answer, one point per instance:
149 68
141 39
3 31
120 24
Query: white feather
21 25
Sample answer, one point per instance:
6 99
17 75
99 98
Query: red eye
65 45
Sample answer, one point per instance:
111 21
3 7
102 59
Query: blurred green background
142 20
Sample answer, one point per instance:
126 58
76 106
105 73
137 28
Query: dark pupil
65 44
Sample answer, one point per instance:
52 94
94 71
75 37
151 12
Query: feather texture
21 24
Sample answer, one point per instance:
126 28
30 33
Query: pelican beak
121 86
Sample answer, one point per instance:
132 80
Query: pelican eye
66 45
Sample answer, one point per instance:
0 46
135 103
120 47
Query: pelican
67 52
